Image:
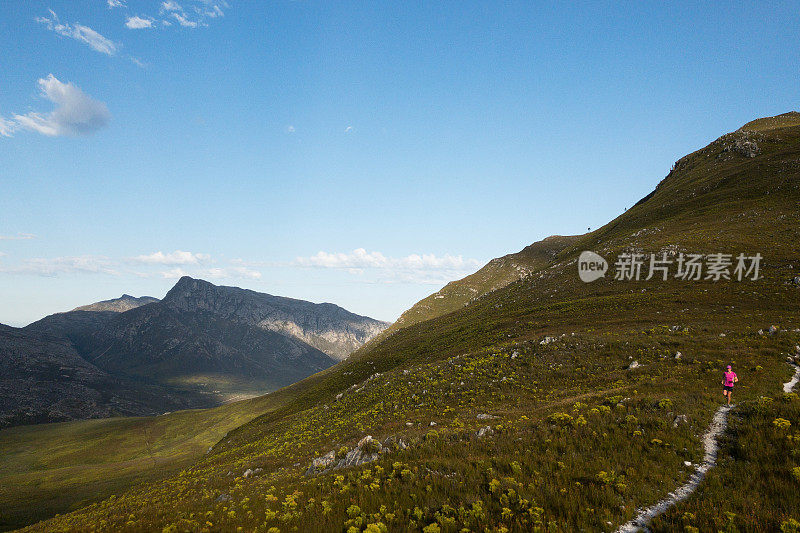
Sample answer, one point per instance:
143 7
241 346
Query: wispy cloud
184 21
18 237
7 127
138 23
170 5
156 265
76 113
214 12
80 33
191 13
138 62
178 257
115 3
63 265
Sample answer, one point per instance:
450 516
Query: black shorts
728 388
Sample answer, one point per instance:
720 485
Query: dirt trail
718 425
789 385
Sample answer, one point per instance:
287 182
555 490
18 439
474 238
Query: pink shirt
729 378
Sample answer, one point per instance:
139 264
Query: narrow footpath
718 425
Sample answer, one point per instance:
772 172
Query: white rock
485 430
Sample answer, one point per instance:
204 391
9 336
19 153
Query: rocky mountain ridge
325 326
126 302
199 346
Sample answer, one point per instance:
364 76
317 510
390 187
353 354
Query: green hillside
548 404
496 274
53 468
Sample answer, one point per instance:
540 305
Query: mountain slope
43 379
326 326
82 321
195 348
524 410
496 274
119 305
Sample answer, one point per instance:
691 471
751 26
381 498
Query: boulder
746 147
680 419
485 430
250 472
634 364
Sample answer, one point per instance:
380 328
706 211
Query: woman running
728 379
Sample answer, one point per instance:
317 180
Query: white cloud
7 127
80 33
183 21
212 273
63 265
361 258
414 268
231 273
115 3
193 13
138 23
290 129
138 62
214 12
18 237
175 273
169 5
178 257
76 113
348 129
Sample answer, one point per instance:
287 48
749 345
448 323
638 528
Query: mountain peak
785 120
190 293
126 302
327 327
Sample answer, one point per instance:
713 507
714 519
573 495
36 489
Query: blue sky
362 153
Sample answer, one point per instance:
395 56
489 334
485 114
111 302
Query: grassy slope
612 449
54 468
496 274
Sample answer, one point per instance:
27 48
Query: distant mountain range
118 305
201 345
